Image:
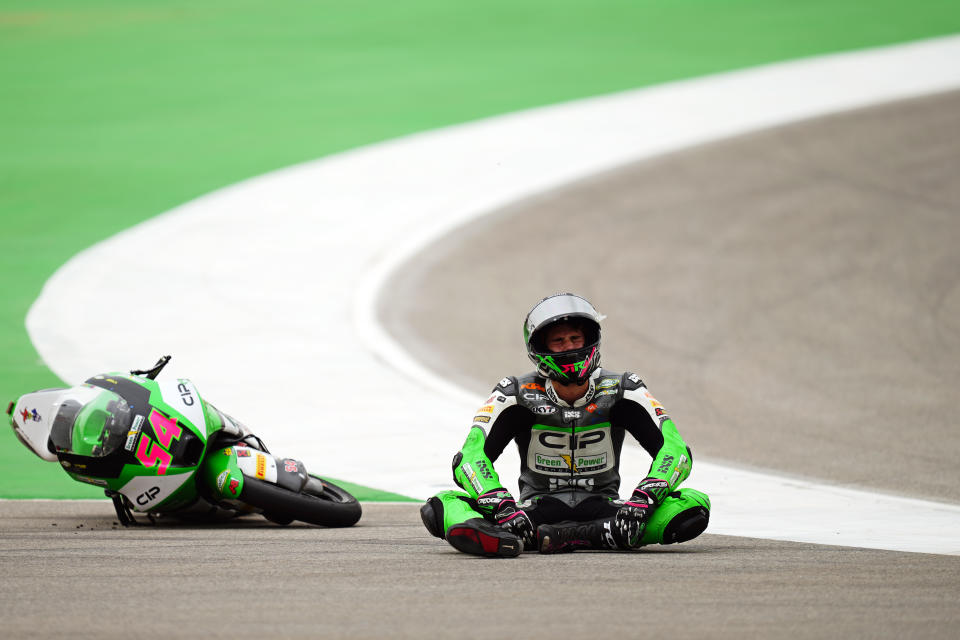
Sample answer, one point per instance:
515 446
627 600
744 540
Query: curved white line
250 285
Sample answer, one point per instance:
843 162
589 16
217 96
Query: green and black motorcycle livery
156 447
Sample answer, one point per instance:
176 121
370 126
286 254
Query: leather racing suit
570 453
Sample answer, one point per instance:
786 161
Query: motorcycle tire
320 502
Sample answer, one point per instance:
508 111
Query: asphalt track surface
791 296
71 571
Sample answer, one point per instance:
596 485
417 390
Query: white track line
264 291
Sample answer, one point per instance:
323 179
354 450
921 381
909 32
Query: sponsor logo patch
484 470
550 463
489 501
608 383
545 409
148 496
485 409
222 480
134 432
185 394
579 483
653 401
261 466
566 462
533 386
472 477
483 419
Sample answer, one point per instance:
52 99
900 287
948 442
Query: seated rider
568 419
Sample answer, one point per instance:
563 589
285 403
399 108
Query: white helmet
567 367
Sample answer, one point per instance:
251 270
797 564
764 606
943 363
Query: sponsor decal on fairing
146 492
222 480
182 395
134 432
258 465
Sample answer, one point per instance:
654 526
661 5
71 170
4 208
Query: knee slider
682 516
686 525
691 521
446 509
432 515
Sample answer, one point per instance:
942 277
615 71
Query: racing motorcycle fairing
33 415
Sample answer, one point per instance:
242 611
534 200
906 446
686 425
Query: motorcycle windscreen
90 421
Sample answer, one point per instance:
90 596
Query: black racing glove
631 520
500 503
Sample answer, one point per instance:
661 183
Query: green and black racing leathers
570 464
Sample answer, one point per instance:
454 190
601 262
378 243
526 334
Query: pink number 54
150 454
166 429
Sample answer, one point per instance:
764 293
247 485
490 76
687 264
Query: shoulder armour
508 385
528 381
632 381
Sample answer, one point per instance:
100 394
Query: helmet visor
90 422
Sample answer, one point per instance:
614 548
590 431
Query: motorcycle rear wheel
320 502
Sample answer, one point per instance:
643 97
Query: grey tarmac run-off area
792 297
71 572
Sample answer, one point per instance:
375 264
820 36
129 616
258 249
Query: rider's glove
503 507
631 520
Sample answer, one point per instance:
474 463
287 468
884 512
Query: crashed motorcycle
157 448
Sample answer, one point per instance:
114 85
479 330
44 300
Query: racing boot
564 537
449 515
682 516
